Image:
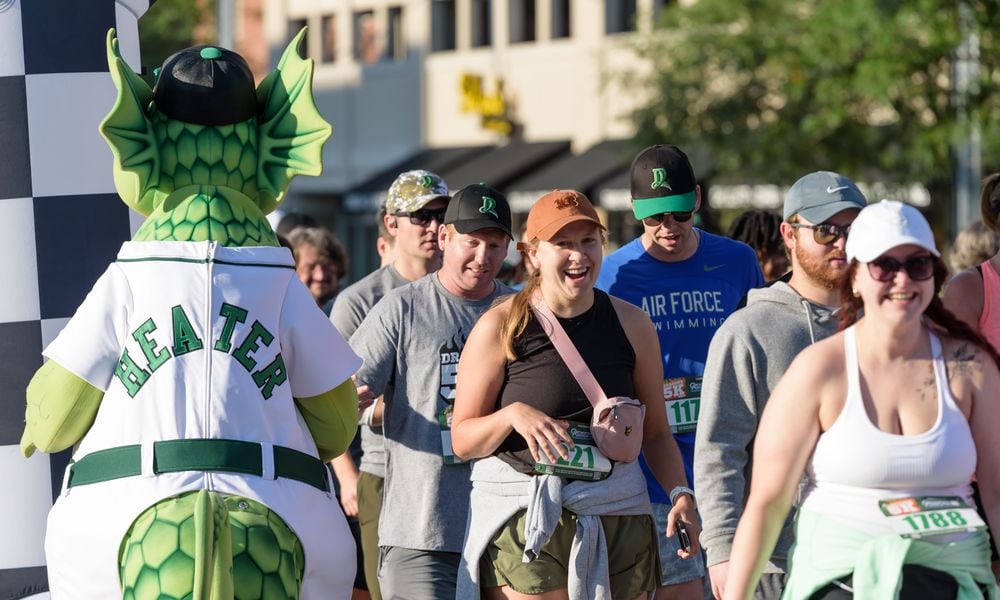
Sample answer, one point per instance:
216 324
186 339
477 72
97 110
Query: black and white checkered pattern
61 223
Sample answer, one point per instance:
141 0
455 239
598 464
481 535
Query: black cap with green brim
662 180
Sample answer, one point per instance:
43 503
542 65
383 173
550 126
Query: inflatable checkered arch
61 223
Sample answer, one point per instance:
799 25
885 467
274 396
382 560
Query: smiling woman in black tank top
515 400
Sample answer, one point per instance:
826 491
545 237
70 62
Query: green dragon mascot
200 384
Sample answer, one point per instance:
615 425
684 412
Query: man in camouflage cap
414 210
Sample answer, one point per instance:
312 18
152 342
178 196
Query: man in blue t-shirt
688 281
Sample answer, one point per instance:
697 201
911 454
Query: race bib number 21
585 459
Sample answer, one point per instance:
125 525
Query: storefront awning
497 166
581 172
367 196
502 165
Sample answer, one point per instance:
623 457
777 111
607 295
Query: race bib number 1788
930 515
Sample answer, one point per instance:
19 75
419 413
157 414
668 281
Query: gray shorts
405 574
674 569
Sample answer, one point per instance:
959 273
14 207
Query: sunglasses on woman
423 216
657 220
825 233
919 268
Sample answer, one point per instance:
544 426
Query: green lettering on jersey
242 353
132 376
148 346
233 315
185 338
270 376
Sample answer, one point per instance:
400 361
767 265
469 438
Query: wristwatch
677 491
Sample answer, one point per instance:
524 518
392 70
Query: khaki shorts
632 557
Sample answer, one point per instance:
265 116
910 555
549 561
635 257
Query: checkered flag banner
61 223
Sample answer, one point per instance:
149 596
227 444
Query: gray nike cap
820 195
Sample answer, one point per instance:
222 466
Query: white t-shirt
192 340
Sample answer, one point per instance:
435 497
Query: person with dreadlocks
761 230
751 351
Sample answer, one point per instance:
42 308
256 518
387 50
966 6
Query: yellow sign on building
491 107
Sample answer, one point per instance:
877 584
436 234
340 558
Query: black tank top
539 376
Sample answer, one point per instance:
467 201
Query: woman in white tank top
891 419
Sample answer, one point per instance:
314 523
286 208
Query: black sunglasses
680 217
825 233
919 268
423 216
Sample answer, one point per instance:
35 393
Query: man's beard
818 269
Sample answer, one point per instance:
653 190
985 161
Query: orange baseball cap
555 210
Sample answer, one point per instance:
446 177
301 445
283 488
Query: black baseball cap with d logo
478 206
662 181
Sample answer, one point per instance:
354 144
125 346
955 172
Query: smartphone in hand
682 535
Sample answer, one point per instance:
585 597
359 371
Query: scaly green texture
198 213
203 545
190 154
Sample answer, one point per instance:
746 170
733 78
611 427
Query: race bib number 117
683 402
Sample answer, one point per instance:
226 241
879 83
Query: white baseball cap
882 226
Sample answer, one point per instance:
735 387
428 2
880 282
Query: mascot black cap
206 85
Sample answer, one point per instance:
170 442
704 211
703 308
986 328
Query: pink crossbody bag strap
570 355
617 422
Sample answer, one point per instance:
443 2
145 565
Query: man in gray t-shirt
413 213
410 343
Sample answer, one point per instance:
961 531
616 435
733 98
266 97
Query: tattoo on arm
964 360
928 389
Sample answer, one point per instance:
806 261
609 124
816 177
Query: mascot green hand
202 387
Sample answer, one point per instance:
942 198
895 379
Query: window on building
365 47
658 6
328 36
395 38
560 19
481 32
522 21
620 15
442 25
294 27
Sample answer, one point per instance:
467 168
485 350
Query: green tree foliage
781 87
172 25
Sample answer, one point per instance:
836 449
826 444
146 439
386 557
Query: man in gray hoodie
749 354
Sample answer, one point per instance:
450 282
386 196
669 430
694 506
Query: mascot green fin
60 409
130 135
292 131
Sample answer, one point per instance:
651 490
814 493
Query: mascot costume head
201 387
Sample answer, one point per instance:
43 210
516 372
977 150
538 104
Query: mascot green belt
202 383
